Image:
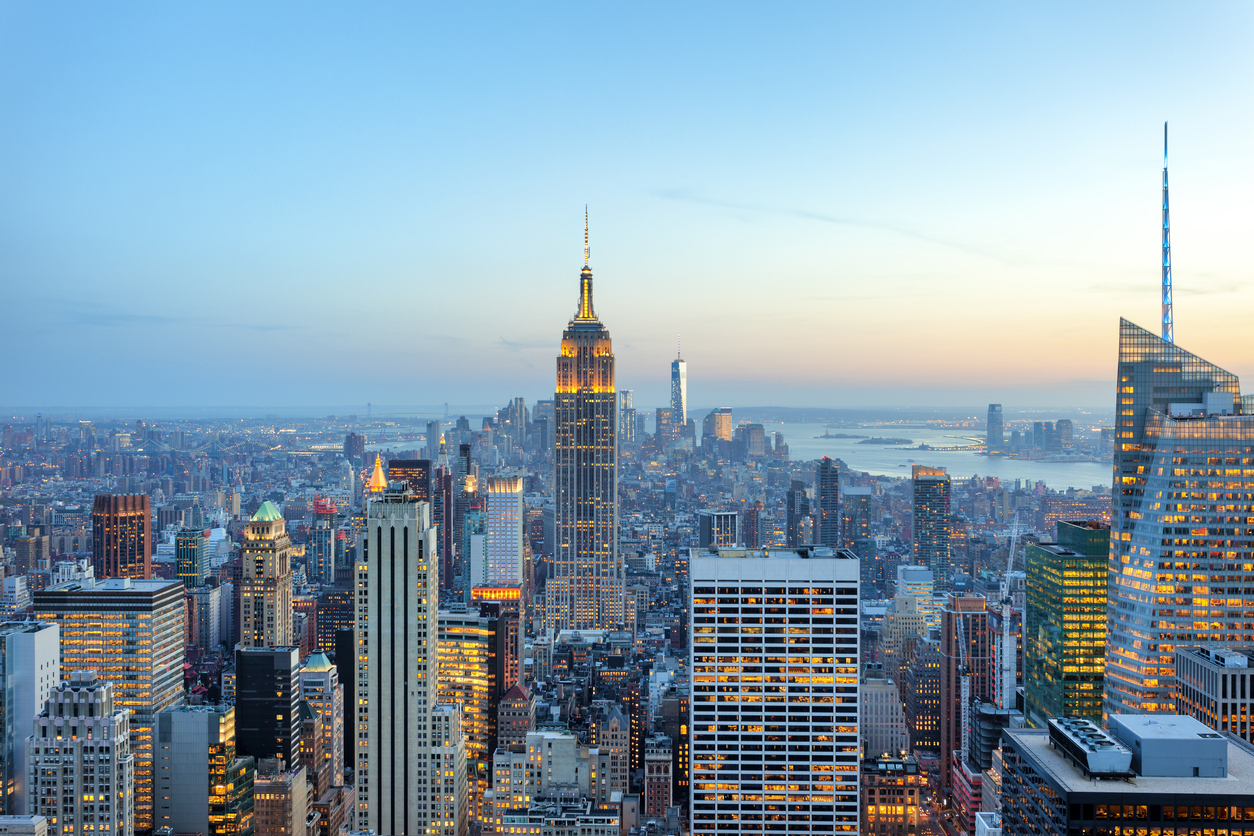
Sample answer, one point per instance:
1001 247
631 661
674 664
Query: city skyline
226 197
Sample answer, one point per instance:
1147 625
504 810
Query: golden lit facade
774 713
468 669
586 591
1182 529
266 587
146 618
890 792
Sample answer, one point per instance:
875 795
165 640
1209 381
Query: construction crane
1007 660
964 686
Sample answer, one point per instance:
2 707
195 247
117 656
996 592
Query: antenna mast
1168 330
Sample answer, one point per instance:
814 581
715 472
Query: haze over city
286 205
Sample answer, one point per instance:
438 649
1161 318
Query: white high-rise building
30 668
505 540
920 582
81 770
397 626
448 755
774 711
320 687
883 717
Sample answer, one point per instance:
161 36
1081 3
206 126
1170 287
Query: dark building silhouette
267 716
827 496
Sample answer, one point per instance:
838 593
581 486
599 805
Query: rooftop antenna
1168 330
585 229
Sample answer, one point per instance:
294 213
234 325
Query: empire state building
586 591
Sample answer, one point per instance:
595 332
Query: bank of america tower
1182 533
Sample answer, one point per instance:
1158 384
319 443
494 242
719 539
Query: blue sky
835 205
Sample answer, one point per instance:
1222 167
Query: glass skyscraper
930 525
586 591
1182 529
679 392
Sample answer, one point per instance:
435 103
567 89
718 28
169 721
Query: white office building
397 627
30 669
774 712
505 546
320 687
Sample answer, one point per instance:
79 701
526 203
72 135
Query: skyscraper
1065 638
266 588
753 697
189 553
930 526
586 587
30 668
320 552
965 646
267 702
320 687
996 440
797 509
679 391
202 786
1179 553
82 769
415 473
121 536
505 557
827 496
144 617
626 417
397 633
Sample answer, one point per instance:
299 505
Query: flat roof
1240 778
1162 726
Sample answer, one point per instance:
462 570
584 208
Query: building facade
121 536
1183 469
266 587
147 618
966 645
774 711
30 669
930 525
80 770
398 581
586 589
320 687
267 702
201 785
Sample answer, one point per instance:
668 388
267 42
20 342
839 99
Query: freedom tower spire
1168 330
586 590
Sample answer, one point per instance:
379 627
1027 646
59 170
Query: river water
891 460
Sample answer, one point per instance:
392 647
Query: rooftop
1036 744
268 512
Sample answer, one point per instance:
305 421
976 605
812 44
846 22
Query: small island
878 440
839 435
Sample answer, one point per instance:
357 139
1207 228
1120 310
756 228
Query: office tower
465 493
267 702
281 798
930 525
32 552
658 751
891 785
397 632
882 717
718 424
312 755
320 550
81 771
626 417
753 692
202 786
1160 773
415 473
827 498
1064 432
30 668
965 646
355 447
921 684
320 687
904 624
587 582
717 528
434 437
146 617
1181 459
679 391
190 558
996 440
1213 685
471 674
207 611
121 536
266 588
753 525
797 509
451 816
1065 638
506 546
515 717
855 525
442 503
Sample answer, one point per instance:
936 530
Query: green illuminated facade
1065 637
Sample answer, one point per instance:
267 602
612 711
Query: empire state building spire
585 313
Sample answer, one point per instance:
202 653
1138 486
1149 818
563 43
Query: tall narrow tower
1168 331
586 591
679 390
